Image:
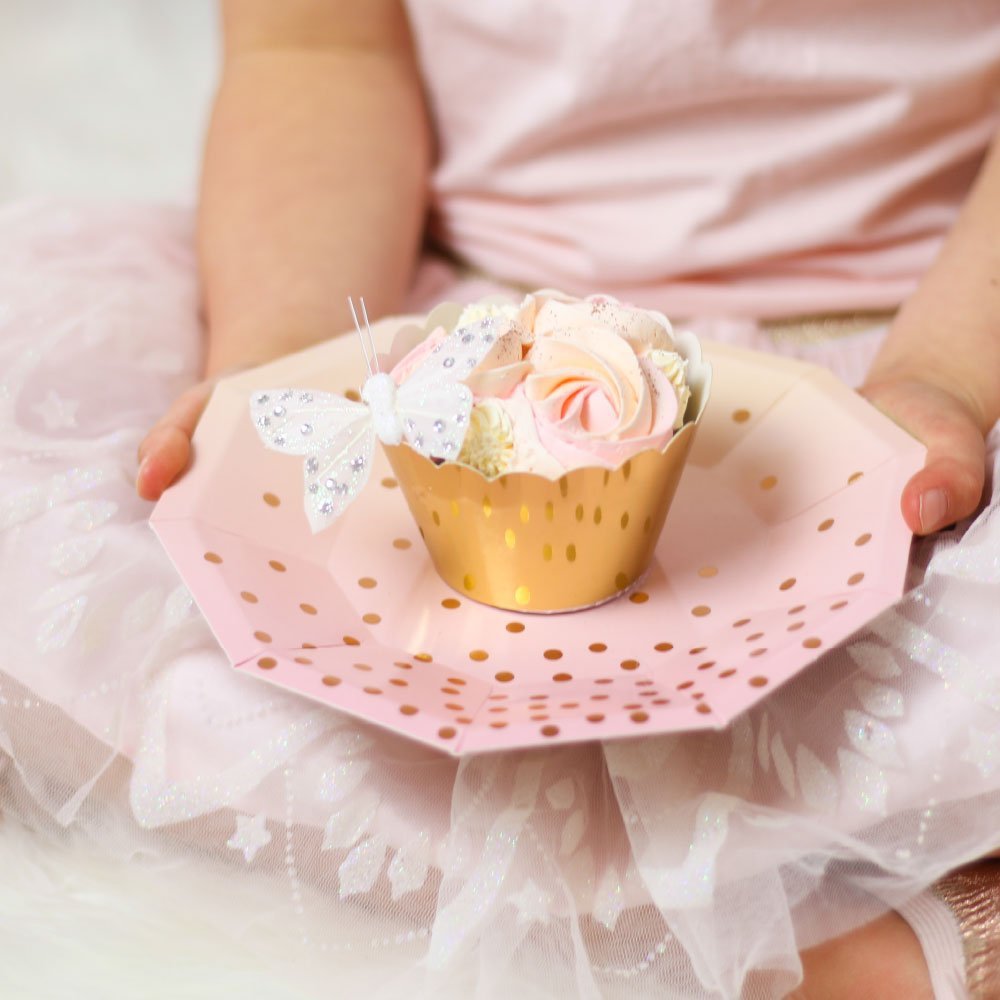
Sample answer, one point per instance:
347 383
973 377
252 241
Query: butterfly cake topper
336 436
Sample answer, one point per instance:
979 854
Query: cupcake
538 445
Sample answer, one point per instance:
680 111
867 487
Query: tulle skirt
693 865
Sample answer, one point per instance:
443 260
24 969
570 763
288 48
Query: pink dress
716 159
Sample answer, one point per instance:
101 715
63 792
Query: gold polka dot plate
784 537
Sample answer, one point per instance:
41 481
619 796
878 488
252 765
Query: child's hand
166 449
950 423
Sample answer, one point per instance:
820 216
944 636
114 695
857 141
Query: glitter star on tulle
250 836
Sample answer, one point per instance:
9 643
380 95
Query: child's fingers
950 485
166 449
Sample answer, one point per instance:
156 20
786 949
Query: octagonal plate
784 538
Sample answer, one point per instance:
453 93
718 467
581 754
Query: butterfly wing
433 402
333 434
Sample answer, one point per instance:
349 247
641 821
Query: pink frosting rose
594 400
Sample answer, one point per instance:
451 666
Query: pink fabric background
767 158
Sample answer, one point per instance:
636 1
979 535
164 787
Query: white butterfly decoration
336 436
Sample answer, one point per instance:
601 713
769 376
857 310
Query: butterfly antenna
371 339
361 336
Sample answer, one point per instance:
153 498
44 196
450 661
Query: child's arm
938 372
313 189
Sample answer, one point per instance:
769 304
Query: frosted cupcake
583 415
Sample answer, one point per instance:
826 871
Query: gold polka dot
701 610
451 603
403 665
447 733
550 511
498 725
453 507
423 657
515 627
703 708
624 520
456 680
598 514
787 584
330 681
371 618
479 655
579 512
639 597
854 579
547 552
741 416
562 678
622 581
408 709
759 652
453 707
569 705
854 477
372 690
522 595
267 663
627 469
308 645
508 537
525 514
304 660
487 507
468 581
538 697
401 543
707 572
212 557
367 583
365 668
389 483
838 605
707 665
549 730
597 647
309 609
278 567
639 717
630 664
571 552
795 626
271 499
663 647
262 636
552 654
798 609
595 717
248 597
825 525
768 482
684 686
563 487
350 640
863 539
727 673
353 395
436 518
695 650
740 622
504 676
812 643
757 682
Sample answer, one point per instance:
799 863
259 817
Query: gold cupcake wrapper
530 544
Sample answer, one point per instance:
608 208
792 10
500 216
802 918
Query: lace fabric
692 865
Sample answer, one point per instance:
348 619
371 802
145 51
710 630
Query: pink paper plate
785 537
